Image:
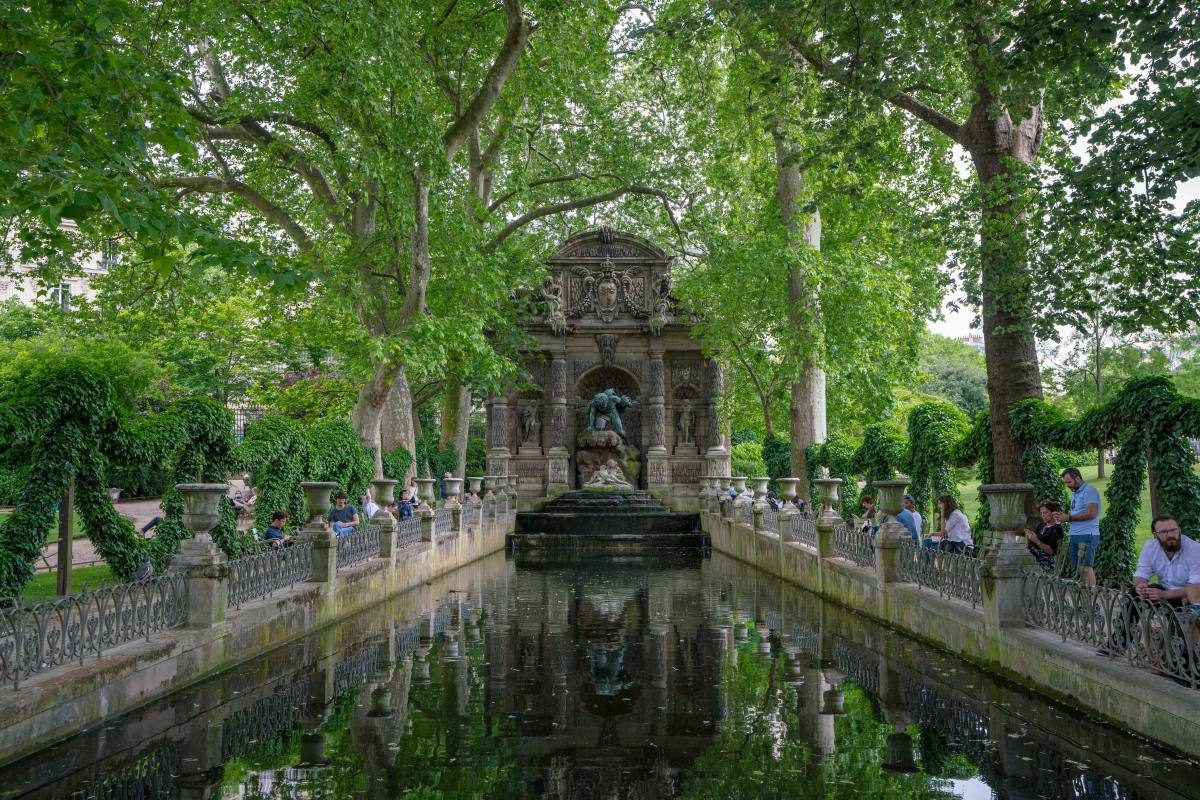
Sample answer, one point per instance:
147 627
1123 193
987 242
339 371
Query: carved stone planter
761 487
475 485
425 489
739 483
202 507
316 500
828 489
453 490
891 495
384 491
789 489
489 484
1006 515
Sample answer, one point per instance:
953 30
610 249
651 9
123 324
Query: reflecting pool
614 678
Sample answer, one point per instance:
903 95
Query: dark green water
656 678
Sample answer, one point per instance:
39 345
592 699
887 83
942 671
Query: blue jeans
953 547
1086 558
342 530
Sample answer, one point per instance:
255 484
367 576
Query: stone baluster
425 512
1007 559
200 560
558 457
316 530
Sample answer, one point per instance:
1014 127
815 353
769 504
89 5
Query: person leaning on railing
274 534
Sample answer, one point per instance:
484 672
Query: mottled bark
367 415
456 410
396 427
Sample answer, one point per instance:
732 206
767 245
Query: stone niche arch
599 378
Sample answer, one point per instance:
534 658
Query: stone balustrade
995 609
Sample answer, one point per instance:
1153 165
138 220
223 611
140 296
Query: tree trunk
456 410
1008 342
367 415
768 421
396 427
804 312
463 435
1096 342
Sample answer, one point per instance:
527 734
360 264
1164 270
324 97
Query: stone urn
316 501
1006 514
454 488
827 491
739 483
789 489
202 507
761 487
489 484
834 703
891 496
475 484
384 491
425 489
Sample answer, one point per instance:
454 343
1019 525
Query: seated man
274 534
343 518
405 507
1174 560
909 521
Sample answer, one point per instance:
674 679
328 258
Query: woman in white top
957 537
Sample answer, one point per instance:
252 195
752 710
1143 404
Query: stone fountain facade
606 319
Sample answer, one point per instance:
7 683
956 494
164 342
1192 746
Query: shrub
746 459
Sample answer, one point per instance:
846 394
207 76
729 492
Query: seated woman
1043 543
957 531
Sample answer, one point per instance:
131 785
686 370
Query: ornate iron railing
854 545
355 548
808 639
948 574
746 513
443 522
261 574
859 664
803 530
771 520
49 634
1145 632
408 637
356 668
408 531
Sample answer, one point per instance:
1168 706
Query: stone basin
604 519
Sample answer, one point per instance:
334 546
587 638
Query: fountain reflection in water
635 679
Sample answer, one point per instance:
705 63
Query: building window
61 295
109 255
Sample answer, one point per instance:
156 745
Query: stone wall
1132 698
54 704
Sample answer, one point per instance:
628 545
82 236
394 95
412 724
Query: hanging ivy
879 456
275 451
777 455
336 454
836 454
934 430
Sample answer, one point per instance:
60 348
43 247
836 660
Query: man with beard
1174 560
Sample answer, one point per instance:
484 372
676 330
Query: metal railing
803 530
408 531
261 574
443 522
771 520
49 634
266 717
746 514
854 545
948 574
355 548
151 775
1147 633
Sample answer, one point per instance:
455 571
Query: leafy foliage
275 451
396 463
934 429
747 459
336 454
777 455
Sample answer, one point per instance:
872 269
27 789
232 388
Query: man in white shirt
911 505
1175 560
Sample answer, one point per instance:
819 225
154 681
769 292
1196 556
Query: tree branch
583 202
545 181
901 100
515 39
215 185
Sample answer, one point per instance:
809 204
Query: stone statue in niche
552 293
609 474
531 424
685 428
604 412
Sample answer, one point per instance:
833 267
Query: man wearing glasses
1174 559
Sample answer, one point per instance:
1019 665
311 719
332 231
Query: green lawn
42 585
970 500
77 531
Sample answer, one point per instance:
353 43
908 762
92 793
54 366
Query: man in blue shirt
906 518
274 534
1084 517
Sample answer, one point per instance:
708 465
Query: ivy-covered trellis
1148 422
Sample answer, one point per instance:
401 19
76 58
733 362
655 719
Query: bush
747 459
476 455
11 481
396 463
777 453
314 398
275 451
336 454
743 435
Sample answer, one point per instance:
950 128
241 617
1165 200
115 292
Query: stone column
656 415
498 453
1007 559
427 516
716 457
558 457
199 559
